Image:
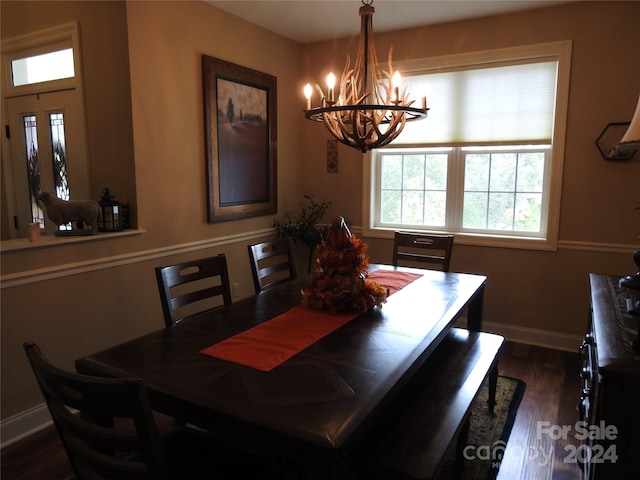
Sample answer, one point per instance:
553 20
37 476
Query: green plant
304 229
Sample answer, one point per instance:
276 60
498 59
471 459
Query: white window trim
43 41
560 51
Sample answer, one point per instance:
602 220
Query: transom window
487 163
45 67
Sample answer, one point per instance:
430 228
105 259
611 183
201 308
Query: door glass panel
59 156
33 166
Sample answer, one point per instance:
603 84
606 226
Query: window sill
47 241
478 240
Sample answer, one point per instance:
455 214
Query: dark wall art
240 140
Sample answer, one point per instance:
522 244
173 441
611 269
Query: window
44 61
45 67
487 163
501 189
46 121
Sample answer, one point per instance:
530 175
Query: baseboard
24 424
30 421
531 336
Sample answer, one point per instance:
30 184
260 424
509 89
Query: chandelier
370 108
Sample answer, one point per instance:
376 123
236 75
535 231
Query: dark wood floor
551 395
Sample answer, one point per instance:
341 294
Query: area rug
488 433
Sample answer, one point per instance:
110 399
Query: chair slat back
189 288
271 263
106 425
411 249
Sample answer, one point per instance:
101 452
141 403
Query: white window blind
498 104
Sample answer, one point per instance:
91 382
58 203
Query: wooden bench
412 438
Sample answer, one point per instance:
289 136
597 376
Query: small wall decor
240 140
608 142
332 156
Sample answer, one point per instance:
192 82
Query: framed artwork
240 140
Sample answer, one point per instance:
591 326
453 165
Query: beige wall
106 292
598 227
76 299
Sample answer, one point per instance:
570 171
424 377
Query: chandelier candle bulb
331 83
307 93
396 86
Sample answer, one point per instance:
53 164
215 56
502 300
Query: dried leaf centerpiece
339 283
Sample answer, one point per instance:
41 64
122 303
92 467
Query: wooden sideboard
610 401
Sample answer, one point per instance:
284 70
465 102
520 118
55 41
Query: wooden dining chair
108 430
192 287
412 249
271 263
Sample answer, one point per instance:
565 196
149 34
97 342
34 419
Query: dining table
313 404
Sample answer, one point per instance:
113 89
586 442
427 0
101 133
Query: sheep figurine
65 211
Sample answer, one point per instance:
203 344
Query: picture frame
240 140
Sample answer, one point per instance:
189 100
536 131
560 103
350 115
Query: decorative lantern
111 220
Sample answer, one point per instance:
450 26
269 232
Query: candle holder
111 220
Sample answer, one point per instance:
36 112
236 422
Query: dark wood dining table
314 408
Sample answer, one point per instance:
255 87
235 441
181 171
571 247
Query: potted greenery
305 229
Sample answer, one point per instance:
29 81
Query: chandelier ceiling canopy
370 107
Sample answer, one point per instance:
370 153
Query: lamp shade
632 136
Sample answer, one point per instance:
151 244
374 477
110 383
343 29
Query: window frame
44 41
558 51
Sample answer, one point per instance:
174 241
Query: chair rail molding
76 268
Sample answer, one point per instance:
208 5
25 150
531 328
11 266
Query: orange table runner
269 344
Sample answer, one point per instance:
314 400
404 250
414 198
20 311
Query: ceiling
316 20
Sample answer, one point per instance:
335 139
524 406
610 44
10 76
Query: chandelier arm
412 113
388 137
405 97
344 81
358 129
364 120
321 93
352 127
342 131
329 124
379 134
350 137
393 126
354 94
393 130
